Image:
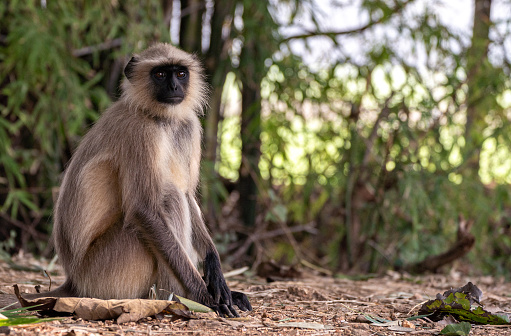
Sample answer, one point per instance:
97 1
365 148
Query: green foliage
376 152
49 96
458 304
371 147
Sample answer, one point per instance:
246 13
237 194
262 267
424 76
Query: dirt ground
310 305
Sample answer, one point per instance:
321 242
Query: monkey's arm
155 232
213 276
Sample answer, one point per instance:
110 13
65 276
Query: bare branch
464 243
98 47
270 234
398 9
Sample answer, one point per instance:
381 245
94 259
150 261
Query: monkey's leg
116 266
102 259
213 275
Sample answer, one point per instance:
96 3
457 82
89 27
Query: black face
171 83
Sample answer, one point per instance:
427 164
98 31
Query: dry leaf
407 324
95 309
122 310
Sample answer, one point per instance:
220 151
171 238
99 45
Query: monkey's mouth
174 100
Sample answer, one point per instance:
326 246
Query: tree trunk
477 66
250 151
190 31
217 66
251 74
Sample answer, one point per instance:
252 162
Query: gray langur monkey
126 216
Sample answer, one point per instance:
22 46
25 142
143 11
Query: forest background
390 148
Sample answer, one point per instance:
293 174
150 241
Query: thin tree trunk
477 61
190 32
251 63
217 66
250 151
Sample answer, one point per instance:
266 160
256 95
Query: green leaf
418 317
462 328
457 303
376 319
194 306
19 316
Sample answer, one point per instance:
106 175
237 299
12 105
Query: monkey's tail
10 301
66 289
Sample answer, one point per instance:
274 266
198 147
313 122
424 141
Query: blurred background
349 136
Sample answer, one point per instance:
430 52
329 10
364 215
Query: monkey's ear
130 67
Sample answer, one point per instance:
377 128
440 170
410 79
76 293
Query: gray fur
126 216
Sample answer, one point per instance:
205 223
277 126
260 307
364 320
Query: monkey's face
170 83
165 81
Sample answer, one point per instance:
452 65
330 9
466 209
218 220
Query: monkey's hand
239 299
217 287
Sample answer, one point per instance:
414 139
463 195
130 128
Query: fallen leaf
462 328
194 306
178 311
96 309
408 324
458 302
121 310
401 329
379 321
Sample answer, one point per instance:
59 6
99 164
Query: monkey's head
165 81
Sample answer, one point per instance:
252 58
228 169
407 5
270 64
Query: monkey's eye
160 75
181 74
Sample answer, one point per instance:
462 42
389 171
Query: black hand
217 286
239 299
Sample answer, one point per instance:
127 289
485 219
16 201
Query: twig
399 8
385 111
315 267
270 234
417 305
340 301
236 272
49 277
24 227
98 47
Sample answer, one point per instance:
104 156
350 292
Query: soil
310 305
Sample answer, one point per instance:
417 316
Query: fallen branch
464 243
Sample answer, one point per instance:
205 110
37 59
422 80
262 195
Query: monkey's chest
174 166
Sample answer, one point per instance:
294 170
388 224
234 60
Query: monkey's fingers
228 311
222 311
239 299
219 291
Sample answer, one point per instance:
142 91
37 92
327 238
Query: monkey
126 217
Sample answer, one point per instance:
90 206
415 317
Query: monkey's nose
173 85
